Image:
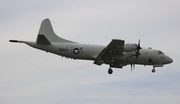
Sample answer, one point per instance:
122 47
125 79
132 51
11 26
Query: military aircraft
116 54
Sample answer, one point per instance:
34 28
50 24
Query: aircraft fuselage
90 52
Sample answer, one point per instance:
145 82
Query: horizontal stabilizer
13 40
16 41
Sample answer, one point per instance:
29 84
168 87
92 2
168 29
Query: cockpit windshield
160 52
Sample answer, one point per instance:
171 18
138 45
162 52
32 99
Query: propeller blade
137 54
134 66
138 48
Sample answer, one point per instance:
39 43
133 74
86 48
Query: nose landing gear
153 70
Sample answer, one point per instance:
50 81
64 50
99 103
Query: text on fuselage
73 50
63 49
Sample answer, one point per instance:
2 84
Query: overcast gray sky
30 76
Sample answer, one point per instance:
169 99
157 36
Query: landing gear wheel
110 71
153 70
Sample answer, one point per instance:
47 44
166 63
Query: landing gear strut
112 64
110 71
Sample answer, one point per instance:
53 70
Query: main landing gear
153 70
110 71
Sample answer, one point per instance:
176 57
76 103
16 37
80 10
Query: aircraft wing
113 51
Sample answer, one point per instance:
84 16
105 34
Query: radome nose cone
170 60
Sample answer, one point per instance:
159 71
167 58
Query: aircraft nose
170 60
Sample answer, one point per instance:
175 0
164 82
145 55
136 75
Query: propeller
137 49
137 54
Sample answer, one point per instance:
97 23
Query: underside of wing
114 51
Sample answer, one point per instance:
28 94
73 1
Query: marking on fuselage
76 51
63 49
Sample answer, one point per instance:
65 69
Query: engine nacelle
130 47
129 54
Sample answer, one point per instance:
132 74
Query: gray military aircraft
116 54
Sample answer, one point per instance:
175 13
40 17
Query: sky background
31 76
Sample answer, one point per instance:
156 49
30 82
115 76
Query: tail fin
46 34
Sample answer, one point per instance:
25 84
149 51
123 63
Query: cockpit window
160 52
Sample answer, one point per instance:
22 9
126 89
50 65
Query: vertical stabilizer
46 34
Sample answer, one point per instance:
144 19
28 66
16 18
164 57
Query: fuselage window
160 52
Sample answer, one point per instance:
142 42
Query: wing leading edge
113 51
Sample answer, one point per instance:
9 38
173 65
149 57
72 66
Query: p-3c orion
116 54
